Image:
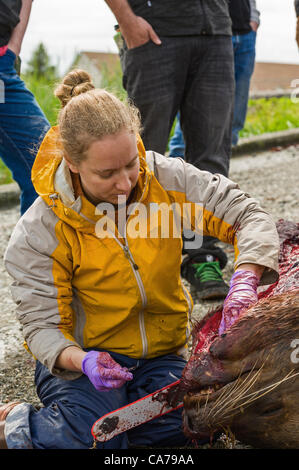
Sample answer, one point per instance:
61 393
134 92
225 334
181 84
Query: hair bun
77 81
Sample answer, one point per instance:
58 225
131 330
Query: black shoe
203 272
208 281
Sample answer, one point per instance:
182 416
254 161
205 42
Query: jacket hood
52 180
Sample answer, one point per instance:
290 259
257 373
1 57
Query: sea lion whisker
240 396
272 385
224 391
226 401
249 381
232 405
269 389
244 385
235 412
247 385
207 399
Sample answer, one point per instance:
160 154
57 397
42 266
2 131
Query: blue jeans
177 143
244 58
244 54
22 127
72 406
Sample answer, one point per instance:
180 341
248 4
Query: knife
151 406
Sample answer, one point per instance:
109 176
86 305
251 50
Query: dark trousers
193 75
72 406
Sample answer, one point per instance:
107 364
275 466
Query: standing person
245 22
245 18
177 56
106 314
22 122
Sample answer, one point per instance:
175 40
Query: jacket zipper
135 269
188 329
129 256
187 298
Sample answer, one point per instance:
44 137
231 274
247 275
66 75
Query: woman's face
111 168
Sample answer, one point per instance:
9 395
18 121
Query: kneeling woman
106 317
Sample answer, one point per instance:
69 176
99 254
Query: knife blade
151 406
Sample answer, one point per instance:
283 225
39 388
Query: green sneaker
207 280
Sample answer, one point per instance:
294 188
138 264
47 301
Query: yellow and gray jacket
120 293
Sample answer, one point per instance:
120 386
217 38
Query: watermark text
295 353
152 220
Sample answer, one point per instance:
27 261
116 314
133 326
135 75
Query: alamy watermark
295 353
2 92
152 220
295 92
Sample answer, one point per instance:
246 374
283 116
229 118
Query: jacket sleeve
296 3
227 213
39 260
254 12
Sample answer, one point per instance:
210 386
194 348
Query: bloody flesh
206 331
288 280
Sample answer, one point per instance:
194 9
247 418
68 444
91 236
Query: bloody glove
242 294
103 372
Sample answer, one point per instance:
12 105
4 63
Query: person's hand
297 32
103 372
242 294
254 25
138 32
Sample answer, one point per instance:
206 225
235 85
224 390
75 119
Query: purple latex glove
242 294
103 372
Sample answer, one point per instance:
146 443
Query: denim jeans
177 143
190 74
72 406
22 127
244 58
244 54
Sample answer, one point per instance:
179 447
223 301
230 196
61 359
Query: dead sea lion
246 382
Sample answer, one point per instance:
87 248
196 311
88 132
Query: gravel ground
271 177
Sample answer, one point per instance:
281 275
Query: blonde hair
89 114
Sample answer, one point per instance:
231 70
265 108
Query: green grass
5 174
43 91
112 81
270 115
264 115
